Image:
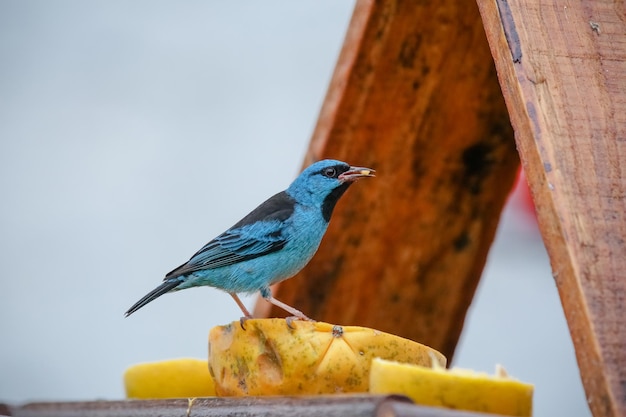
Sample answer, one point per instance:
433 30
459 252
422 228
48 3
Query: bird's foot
243 320
289 320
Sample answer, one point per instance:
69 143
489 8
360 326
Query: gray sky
131 133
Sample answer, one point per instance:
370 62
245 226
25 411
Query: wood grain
348 405
415 96
567 100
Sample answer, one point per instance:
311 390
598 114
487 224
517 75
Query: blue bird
269 245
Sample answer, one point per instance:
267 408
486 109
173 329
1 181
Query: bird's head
324 182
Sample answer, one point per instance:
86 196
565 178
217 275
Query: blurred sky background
131 133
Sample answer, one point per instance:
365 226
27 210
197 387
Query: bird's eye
329 172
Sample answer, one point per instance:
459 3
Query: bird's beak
354 173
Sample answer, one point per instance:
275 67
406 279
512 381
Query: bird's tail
167 286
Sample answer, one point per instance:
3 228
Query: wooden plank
354 405
563 74
415 96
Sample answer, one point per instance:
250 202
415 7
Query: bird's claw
291 319
243 320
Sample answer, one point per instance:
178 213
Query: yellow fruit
456 388
269 358
175 378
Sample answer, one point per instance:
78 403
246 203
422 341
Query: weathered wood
563 74
415 96
354 405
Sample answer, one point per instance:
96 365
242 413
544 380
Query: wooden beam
415 96
347 405
563 74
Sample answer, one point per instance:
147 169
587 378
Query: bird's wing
257 234
233 246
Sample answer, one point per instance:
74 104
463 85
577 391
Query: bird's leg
241 306
246 313
266 293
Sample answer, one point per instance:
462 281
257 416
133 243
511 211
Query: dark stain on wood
409 50
510 32
462 241
477 163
